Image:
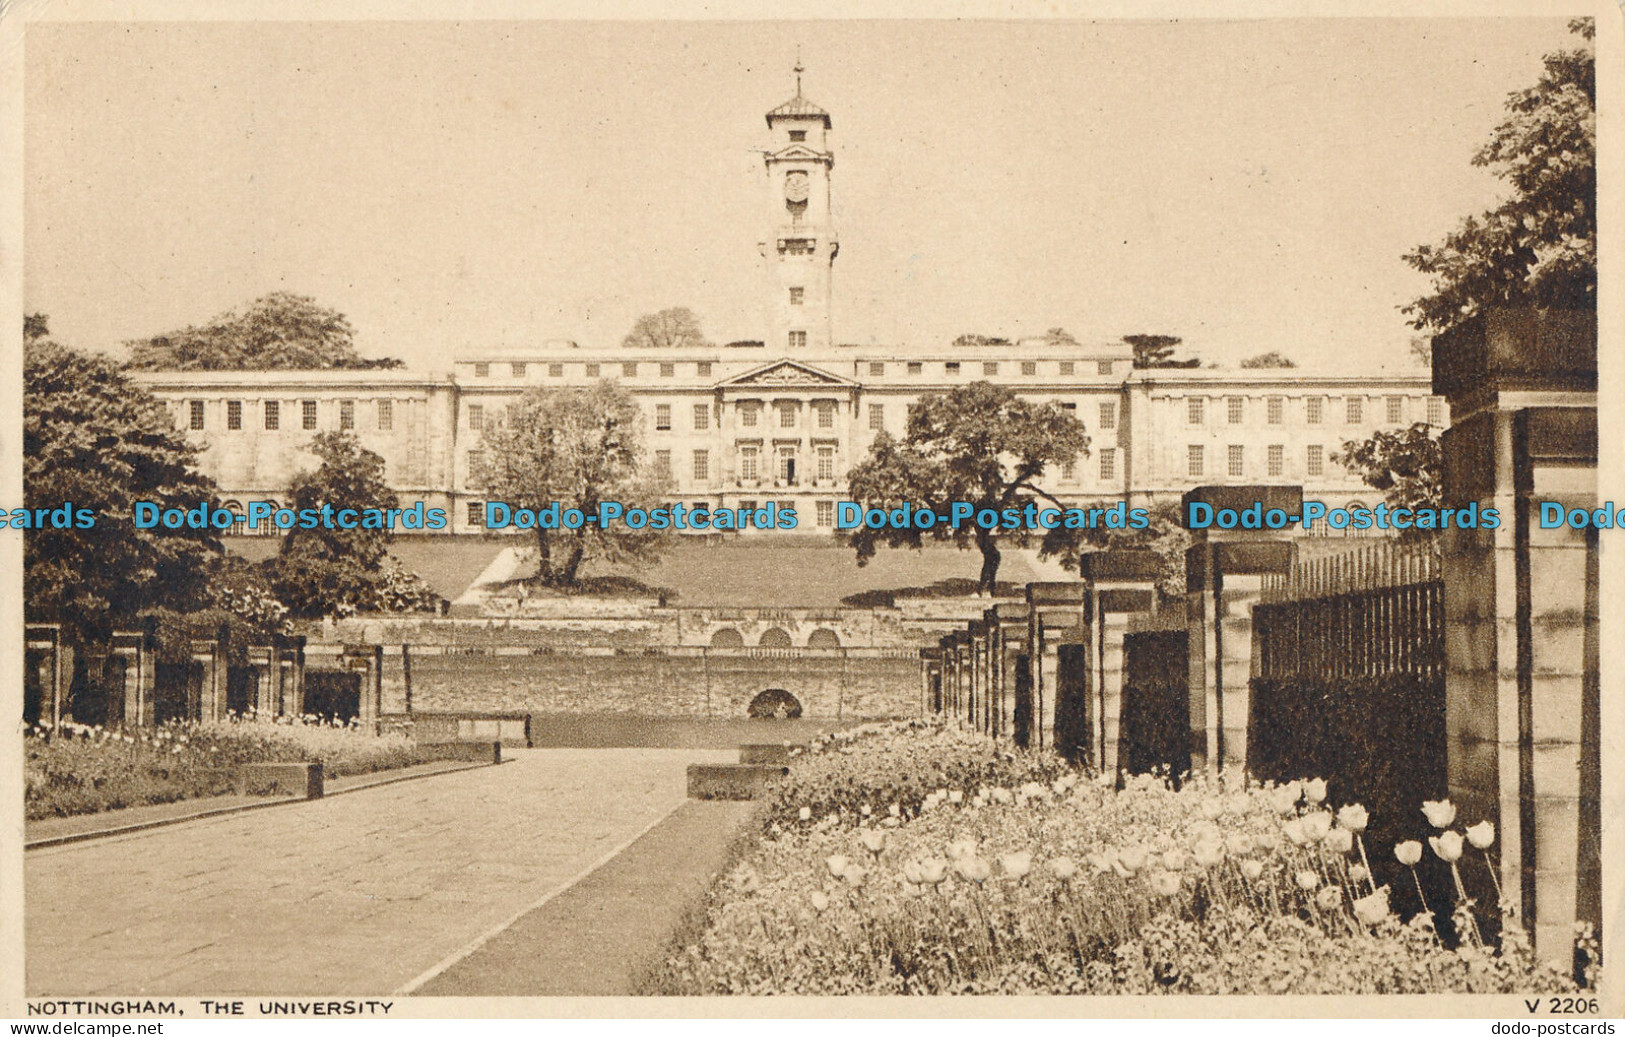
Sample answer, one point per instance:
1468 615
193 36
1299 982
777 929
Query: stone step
731 780
766 752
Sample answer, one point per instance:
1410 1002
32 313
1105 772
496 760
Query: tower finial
799 70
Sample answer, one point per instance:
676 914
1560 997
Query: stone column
44 643
1121 583
206 706
290 677
1012 646
1522 690
368 660
962 670
140 677
949 674
1052 608
262 660
1224 571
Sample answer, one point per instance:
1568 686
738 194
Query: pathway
353 895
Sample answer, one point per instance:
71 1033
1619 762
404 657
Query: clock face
796 186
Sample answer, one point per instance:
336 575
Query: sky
470 187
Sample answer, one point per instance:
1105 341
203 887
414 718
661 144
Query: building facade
785 419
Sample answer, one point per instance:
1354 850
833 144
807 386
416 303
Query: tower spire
799 70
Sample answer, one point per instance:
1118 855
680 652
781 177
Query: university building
786 418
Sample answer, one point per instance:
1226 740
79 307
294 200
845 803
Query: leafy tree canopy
1059 337
1157 351
1539 246
980 340
277 332
1270 359
1166 537
578 447
674 328
1405 465
981 444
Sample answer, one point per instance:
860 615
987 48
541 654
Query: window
346 415
1235 407
702 417
629 369
702 465
951 367
663 463
748 457
308 413
1277 459
1067 367
915 367
668 370
1315 462
555 370
1396 409
748 505
876 370
797 246
592 370
195 407
518 367
1103 367
273 415
1314 410
386 415
662 417
1195 410
476 467
787 415
1108 464
1194 464
798 134
476 417
1435 411
1069 470
1108 415
1276 407
703 368
990 367
1354 408
798 340
482 370
1237 460
1071 409
476 514
234 414
787 465
1029 367
747 414
826 513
877 417
797 295
826 463
826 415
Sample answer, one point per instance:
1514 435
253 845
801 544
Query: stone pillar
962 672
140 677
1011 618
928 663
44 649
368 660
950 675
1224 571
290 677
1522 689
1052 608
1120 583
207 702
262 660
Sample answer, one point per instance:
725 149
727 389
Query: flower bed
1017 874
79 769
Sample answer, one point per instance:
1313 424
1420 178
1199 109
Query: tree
330 570
1539 247
675 328
36 326
277 332
578 448
97 441
982 445
1270 359
1165 536
1157 351
1059 337
1406 466
980 340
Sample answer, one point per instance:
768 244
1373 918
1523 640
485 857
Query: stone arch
773 637
774 703
727 637
824 637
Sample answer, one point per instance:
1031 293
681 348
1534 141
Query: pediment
787 373
798 152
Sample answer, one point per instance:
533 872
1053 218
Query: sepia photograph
538 507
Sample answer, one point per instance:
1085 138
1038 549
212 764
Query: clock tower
801 242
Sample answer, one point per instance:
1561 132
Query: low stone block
767 752
475 752
731 780
280 779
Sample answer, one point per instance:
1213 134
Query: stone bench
766 752
280 779
731 780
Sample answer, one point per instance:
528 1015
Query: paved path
352 895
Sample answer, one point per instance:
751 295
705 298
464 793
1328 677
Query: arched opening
727 637
824 637
773 637
775 704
